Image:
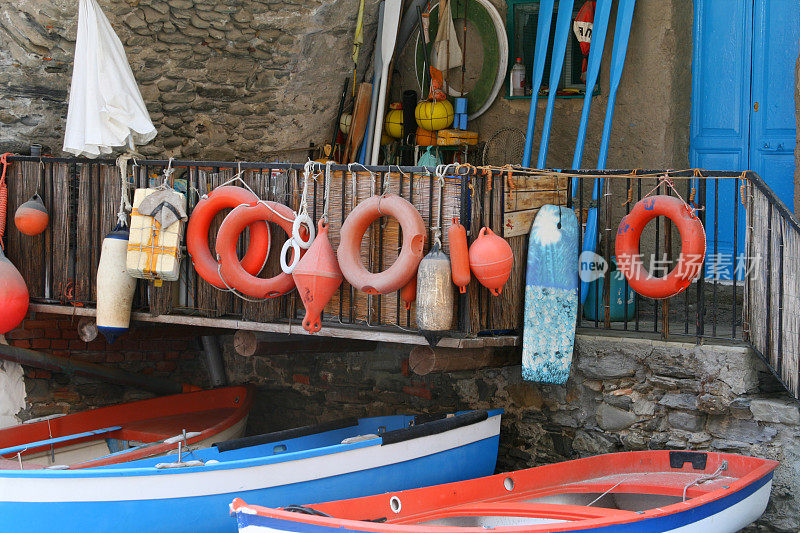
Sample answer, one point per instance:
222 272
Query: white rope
125 206
246 186
167 174
701 480
326 199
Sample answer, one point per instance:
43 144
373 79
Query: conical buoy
13 295
434 295
408 293
31 217
115 287
490 258
459 255
317 277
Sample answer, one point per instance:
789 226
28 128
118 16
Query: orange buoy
13 295
408 293
31 217
226 197
352 233
317 277
425 137
459 255
693 247
490 258
231 270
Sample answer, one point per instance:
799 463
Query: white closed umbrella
106 109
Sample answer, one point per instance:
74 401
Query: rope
124 200
3 197
326 199
723 466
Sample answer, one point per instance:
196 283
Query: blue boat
189 490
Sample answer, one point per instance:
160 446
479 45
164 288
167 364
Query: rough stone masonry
223 79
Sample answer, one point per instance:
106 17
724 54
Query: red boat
127 431
650 491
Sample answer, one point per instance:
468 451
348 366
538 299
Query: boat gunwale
757 477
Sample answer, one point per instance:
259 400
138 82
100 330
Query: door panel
720 123
776 31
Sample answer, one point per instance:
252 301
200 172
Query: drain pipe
213 359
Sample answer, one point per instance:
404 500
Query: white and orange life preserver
233 272
352 232
207 208
693 247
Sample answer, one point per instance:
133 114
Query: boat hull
197 499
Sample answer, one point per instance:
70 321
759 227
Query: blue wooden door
742 109
776 31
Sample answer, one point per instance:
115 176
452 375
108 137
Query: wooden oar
358 123
391 17
539 57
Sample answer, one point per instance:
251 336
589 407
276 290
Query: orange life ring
207 208
352 232
228 236
693 247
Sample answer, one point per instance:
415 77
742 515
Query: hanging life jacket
582 27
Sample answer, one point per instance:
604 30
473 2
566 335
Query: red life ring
225 197
693 247
352 232
230 230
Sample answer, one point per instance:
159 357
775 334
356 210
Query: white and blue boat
190 490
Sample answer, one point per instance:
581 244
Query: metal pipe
212 355
90 370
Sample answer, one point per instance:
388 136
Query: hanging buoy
490 258
393 123
115 287
352 233
459 255
434 294
31 217
408 293
13 295
433 115
317 277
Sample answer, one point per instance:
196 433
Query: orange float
231 270
317 277
13 295
226 197
408 293
352 233
459 255
490 258
31 217
425 137
693 246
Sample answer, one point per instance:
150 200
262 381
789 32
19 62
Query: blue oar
539 57
602 11
563 23
621 34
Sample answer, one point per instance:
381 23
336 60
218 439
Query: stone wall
222 79
165 351
623 394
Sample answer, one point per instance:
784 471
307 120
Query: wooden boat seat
553 511
164 427
10 464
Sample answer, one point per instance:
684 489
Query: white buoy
115 286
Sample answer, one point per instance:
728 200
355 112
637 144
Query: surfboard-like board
551 296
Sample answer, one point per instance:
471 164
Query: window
521 22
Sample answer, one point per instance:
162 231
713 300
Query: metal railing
756 231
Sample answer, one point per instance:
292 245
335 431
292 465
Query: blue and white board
551 296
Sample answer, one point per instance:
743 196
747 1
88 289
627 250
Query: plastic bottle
516 79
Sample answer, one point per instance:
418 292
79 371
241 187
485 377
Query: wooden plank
373 334
522 200
542 182
83 249
518 223
60 216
